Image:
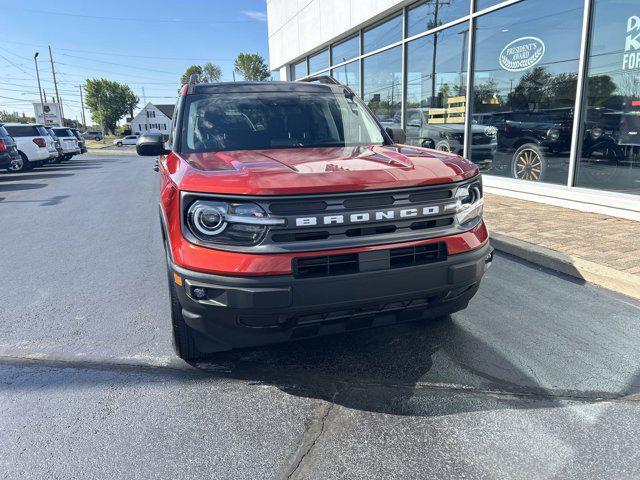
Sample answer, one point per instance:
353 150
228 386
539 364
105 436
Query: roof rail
326 79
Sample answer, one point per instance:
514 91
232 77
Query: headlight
596 133
468 204
553 134
228 223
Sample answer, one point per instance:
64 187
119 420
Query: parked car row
24 146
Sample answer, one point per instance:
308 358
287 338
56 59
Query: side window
171 142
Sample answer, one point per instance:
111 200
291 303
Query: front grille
343 264
293 237
321 222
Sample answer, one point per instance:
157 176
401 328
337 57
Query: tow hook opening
488 259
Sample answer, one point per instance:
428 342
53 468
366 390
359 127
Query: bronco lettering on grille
361 217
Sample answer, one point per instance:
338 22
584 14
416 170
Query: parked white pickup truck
34 143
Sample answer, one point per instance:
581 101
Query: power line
96 52
117 64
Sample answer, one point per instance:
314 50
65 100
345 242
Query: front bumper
250 311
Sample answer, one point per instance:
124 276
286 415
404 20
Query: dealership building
544 95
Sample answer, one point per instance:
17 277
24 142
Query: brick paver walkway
609 241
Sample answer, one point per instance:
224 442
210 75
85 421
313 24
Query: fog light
199 292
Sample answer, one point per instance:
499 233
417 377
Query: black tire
183 339
119 144
19 165
529 163
443 146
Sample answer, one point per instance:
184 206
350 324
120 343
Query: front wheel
183 339
529 163
119 144
443 146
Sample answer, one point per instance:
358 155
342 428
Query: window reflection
383 34
348 75
526 63
319 61
434 13
345 50
482 4
299 70
383 85
610 153
436 91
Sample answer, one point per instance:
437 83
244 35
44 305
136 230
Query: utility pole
55 84
84 122
44 117
144 97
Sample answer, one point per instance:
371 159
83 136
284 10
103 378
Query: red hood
316 170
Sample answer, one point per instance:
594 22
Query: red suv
289 212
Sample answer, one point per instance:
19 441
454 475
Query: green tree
207 73
211 73
197 69
109 101
252 67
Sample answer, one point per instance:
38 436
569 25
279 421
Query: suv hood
316 170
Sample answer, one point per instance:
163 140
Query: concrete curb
606 277
104 151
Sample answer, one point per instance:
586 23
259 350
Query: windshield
253 121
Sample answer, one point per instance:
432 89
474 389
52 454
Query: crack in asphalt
310 438
174 367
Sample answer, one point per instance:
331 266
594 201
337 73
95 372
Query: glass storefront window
482 4
383 34
299 69
525 78
348 75
436 90
319 61
383 85
610 149
345 50
275 75
434 13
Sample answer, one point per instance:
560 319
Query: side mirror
397 134
150 146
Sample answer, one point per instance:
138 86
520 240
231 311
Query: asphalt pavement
538 378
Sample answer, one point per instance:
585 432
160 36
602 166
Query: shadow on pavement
32 176
425 368
21 186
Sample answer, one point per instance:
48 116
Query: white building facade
543 95
153 117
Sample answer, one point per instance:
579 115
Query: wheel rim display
528 165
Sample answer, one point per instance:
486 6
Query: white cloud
255 15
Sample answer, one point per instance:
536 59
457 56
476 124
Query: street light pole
44 118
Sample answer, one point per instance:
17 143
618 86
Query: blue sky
143 43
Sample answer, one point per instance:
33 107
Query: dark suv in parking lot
535 142
8 150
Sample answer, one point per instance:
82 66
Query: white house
153 117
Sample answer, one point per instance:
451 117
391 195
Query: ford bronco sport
288 211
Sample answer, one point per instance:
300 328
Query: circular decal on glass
522 53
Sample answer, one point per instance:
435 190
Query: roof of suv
18 124
275 86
